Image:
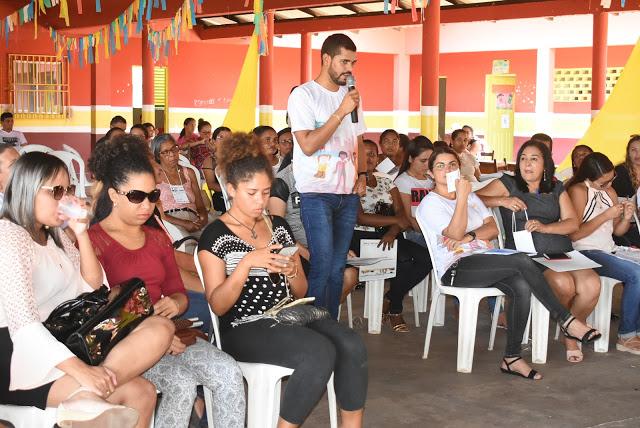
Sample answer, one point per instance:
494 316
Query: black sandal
532 374
586 338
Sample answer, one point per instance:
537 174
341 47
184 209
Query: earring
115 204
544 175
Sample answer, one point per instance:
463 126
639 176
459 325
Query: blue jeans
328 221
629 273
198 308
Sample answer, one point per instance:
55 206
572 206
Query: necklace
254 235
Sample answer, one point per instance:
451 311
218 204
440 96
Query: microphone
351 84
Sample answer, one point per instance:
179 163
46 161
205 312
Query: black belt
175 210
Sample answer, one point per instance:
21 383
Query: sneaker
631 345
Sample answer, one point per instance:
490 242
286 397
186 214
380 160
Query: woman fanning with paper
538 215
458 226
603 215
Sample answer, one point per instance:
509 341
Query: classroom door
500 98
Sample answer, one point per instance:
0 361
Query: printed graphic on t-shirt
417 195
295 200
10 140
334 166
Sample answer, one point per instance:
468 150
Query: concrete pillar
148 96
100 94
430 71
599 61
546 59
266 77
305 57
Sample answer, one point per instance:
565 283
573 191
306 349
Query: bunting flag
260 30
183 20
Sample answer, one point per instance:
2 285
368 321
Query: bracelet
294 274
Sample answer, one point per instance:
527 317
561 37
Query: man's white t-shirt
415 187
15 138
435 213
332 169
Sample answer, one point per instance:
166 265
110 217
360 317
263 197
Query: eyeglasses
453 165
59 191
172 151
606 184
138 196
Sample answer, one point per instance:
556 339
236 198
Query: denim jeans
629 273
328 221
198 308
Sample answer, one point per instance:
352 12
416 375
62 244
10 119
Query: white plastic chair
184 162
34 148
79 179
223 187
469 299
70 149
600 318
264 383
349 311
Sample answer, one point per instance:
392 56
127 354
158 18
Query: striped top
598 201
261 291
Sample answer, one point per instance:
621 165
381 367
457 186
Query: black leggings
413 266
517 276
313 352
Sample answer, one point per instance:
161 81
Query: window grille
574 84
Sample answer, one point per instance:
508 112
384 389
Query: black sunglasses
137 196
59 191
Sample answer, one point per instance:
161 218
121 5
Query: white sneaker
84 409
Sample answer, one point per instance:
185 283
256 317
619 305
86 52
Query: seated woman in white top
458 225
413 183
538 203
602 215
41 269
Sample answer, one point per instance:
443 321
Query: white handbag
522 238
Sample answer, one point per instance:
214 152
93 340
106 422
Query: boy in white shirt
7 134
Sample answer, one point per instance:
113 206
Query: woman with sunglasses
41 269
245 276
180 195
602 216
458 228
540 205
128 245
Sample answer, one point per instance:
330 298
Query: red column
430 71
599 61
266 77
305 57
148 96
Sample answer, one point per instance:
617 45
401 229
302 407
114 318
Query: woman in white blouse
458 227
41 268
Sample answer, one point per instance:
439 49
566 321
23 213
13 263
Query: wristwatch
472 234
366 174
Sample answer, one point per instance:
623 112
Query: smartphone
556 256
288 251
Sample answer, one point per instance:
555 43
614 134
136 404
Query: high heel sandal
531 376
90 410
586 338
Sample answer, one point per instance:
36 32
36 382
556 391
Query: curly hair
111 164
240 157
635 180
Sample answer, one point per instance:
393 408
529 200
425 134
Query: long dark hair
30 172
547 183
635 180
573 154
184 125
218 130
593 167
112 164
414 149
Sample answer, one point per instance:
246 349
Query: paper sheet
578 261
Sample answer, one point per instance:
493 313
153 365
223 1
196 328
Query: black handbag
93 323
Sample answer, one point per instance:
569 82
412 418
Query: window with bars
574 84
38 86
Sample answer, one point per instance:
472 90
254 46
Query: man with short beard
327 166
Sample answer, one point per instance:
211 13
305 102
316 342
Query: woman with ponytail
245 276
129 243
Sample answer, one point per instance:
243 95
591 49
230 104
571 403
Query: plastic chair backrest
183 160
214 317
173 231
223 186
495 211
68 159
427 237
35 148
70 149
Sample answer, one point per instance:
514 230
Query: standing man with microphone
329 165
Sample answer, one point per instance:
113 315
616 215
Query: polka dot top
261 291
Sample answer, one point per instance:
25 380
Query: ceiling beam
236 7
451 14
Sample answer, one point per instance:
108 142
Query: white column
401 74
544 89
